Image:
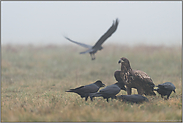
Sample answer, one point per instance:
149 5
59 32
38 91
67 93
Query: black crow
109 91
136 98
165 89
93 49
84 91
135 79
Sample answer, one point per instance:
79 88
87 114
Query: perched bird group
125 77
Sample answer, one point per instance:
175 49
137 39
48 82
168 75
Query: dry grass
34 81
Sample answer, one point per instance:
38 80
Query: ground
35 78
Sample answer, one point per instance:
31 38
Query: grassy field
35 78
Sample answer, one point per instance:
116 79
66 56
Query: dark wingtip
117 20
66 37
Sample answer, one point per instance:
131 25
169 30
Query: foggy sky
45 22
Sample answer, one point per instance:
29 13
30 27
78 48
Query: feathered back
136 78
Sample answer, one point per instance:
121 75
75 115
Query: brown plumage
134 79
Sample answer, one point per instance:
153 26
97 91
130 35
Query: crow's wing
91 88
81 44
109 32
167 85
111 89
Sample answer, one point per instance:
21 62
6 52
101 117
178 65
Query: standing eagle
93 49
134 79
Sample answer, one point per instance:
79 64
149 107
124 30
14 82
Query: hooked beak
120 61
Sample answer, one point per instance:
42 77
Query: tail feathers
74 90
71 90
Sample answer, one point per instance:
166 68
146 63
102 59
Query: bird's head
124 62
99 83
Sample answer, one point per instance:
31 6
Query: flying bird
135 79
84 91
108 92
135 98
165 89
93 49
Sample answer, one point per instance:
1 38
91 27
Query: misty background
46 22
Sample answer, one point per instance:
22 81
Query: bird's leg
93 57
168 95
86 98
107 99
140 90
161 96
129 90
91 98
91 54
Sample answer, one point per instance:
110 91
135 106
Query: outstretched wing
81 44
109 32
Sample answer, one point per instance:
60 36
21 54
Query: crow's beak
174 91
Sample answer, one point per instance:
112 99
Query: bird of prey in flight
93 49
